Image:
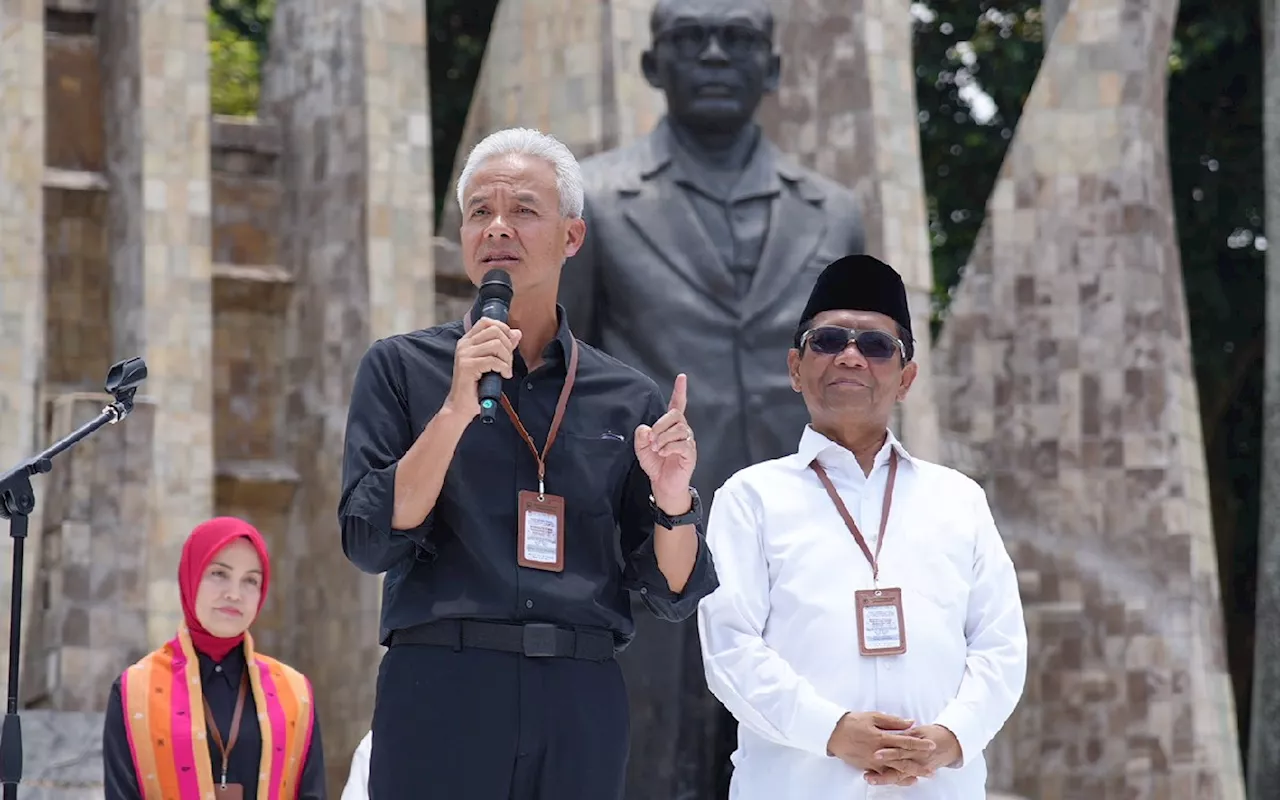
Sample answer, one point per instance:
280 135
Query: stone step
74 180
252 273
261 288
260 471
62 755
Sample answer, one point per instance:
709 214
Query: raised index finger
679 393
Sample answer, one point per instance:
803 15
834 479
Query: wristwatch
689 517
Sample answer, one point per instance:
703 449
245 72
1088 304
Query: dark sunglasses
830 340
737 41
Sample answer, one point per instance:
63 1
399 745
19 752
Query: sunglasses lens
828 341
874 344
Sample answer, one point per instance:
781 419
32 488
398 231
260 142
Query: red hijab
202 545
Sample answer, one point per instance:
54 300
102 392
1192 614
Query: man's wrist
674 506
953 747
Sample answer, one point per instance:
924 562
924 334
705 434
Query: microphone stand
17 501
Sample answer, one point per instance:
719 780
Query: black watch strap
690 517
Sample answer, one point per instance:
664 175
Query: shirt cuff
960 722
815 721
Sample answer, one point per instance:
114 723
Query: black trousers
471 724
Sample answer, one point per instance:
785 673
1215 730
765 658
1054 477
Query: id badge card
541 541
229 791
880 625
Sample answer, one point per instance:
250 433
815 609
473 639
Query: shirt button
217 668
644 590
529 386
528 604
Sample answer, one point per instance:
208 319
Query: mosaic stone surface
1064 368
846 107
22 271
155 79
570 68
347 89
91 599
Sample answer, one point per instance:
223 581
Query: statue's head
713 59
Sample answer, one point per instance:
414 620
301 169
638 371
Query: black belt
533 639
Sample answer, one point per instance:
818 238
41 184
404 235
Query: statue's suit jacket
649 288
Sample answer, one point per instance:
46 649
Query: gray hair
536 144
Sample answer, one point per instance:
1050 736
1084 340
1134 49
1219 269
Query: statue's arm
579 286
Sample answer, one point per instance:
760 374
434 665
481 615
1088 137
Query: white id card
880 627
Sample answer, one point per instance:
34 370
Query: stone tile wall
1065 363
78 344
347 88
73 97
22 271
155 74
570 68
846 107
399 192
90 599
246 192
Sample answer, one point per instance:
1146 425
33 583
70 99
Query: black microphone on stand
495 303
17 502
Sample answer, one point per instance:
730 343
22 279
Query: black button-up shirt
221 685
461 562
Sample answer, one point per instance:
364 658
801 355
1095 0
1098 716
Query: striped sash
164 716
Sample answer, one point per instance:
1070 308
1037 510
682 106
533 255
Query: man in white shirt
867 631
357 787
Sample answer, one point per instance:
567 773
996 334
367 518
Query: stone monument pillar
346 85
92 609
846 108
22 266
569 68
1065 365
156 88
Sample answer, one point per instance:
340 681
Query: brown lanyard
561 404
234 733
873 560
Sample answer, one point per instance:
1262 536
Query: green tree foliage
235 70
250 20
1215 149
990 48
458 31
237 47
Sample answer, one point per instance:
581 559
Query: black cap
860 283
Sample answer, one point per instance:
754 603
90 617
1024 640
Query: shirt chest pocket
942 577
588 471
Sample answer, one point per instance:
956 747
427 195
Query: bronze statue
702 243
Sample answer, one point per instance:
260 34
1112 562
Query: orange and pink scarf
167 732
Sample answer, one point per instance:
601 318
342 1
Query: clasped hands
891 752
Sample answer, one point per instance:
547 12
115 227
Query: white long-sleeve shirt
780 635
357 787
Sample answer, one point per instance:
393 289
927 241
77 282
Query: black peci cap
859 283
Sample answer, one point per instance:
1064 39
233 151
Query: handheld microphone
495 303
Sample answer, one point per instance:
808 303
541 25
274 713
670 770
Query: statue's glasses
690 40
830 340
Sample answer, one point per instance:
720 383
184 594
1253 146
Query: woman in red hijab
206 716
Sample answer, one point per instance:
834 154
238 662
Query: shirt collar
762 175
232 667
558 348
757 179
816 445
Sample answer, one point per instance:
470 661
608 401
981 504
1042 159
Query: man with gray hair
510 549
